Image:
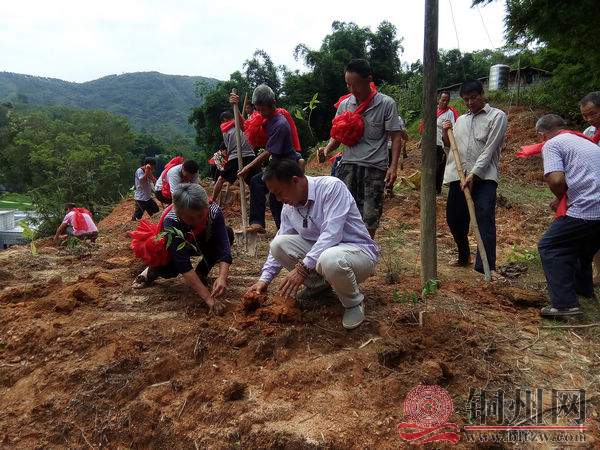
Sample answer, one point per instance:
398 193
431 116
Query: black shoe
551 311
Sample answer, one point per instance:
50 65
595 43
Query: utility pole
519 80
428 145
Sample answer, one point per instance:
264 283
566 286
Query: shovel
471 206
249 238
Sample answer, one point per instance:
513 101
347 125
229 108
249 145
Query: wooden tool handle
238 141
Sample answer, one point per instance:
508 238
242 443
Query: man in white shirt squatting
322 241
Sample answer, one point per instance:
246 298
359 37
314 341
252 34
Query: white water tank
498 77
7 220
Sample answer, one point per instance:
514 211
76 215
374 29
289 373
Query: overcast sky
83 40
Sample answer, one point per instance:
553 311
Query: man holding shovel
479 136
274 129
231 169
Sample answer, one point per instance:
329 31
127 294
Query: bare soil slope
86 361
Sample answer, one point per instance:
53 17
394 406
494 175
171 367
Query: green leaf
181 246
169 240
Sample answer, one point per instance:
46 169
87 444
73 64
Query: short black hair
471 86
226 115
70 206
150 161
359 66
283 170
444 93
191 166
592 97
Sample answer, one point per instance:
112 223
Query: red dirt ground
86 361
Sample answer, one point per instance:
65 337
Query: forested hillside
153 102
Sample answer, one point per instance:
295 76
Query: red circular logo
428 406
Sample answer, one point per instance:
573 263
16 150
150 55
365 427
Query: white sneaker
353 317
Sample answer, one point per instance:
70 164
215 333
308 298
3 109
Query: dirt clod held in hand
251 301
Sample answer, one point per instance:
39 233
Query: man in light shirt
187 172
571 166
322 240
479 136
77 223
144 182
590 111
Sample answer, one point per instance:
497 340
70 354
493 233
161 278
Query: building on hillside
10 232
522 78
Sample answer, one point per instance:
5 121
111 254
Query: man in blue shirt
280 144
197 228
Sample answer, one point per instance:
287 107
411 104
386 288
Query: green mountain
153 102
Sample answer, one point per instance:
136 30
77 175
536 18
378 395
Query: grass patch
391 248
520 254
525 194
12 200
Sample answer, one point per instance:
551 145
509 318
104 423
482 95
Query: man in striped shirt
571 166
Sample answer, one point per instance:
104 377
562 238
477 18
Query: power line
454 22
462 65
485 27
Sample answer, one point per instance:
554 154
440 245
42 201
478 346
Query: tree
384 53
206 118
60 155
260 69
567 33
326 78
146 145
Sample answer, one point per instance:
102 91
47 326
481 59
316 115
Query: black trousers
208 261
232 168
258 202
440 167
458 219
149 206
161 198
567 250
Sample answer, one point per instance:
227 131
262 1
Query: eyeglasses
472 98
